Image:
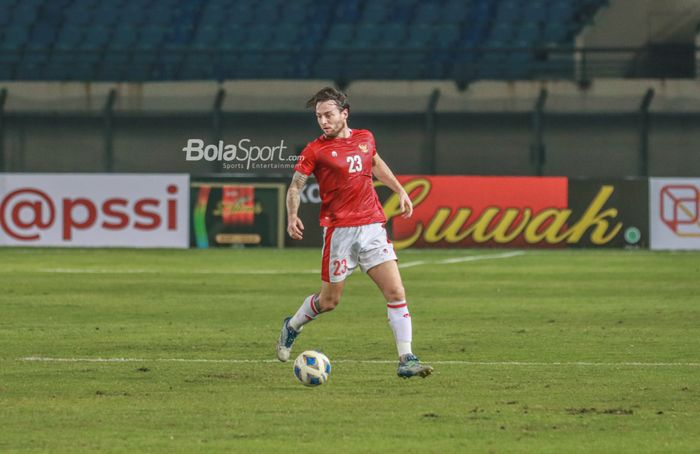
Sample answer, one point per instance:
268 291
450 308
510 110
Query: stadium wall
485 130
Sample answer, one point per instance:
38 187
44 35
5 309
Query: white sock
400 322
307 312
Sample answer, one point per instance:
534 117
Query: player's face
330 118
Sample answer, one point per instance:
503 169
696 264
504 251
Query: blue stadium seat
106 14
454 11
25 14
375 13
445 35
295 15
187 39
347 12
340 35
213 17
70 37
419 36
561 10
527 35
151 37
123 38
15 37
392 35
535 13
96 37
427 13
367 36
6 13
285 36
509 11
403 10
555 33
503 31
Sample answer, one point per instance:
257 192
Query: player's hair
329 94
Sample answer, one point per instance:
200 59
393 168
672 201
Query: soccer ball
312 368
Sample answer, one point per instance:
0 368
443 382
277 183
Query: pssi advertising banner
120 210
550 212
674 213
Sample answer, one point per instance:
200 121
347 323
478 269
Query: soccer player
343 161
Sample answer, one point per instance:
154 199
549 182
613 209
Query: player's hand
406 205
295 228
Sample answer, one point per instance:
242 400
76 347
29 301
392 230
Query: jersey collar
323 136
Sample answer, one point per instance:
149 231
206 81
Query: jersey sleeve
372 143
307 161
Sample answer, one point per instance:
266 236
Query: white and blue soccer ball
312 368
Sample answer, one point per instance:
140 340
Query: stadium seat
453 14
185 39
367 36
70 37
340 36
445 35
15 37
5 13
419 36
96 37
427 13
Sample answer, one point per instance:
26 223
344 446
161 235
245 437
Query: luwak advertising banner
519 212
549 212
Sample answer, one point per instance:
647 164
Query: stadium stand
133 40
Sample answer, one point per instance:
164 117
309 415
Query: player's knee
395 293
328 302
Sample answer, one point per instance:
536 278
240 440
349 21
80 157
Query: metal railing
463 65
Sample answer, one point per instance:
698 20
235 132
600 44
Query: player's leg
315 304
324 301
378 260
336 264
330 295
387 277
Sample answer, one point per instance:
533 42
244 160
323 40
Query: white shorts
346 247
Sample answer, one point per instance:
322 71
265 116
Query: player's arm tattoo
293 197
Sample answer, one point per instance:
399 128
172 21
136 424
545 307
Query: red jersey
343 168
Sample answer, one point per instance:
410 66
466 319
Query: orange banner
458 211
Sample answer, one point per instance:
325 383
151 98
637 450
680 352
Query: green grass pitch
549 351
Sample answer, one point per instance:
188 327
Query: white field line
468 258
370 361
474 258
410 264
144 271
